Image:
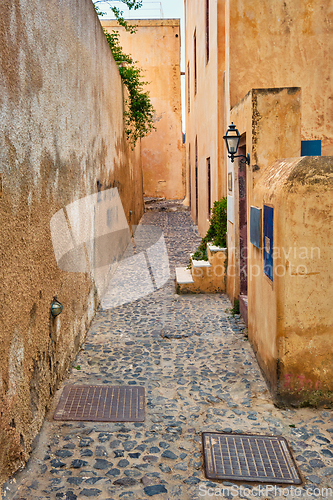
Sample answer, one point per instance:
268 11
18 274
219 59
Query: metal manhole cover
99 403
241 457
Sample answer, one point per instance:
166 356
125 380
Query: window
207 31
310 148
190 173
188 89
196 179
195 61
209 188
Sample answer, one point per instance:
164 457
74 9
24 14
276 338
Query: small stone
132 473
102 437
316 463
129 445
314 479
69 446
327 453
101 451
70 495
134 455
123 463
84 443
113 472
115 443
181 466
125 481
192 480
56 463
75 480
169 454
155 490
93 480
118 453
101 464
154 449
163 445
327 472
86 453
92 492
164 468
174 430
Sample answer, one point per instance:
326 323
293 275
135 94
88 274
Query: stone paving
200 374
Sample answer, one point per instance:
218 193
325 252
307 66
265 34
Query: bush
217 232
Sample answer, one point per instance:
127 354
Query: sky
156 9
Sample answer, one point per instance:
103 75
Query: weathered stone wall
61 140
156 47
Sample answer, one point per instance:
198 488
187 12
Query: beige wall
291 318
205 120
156 47
270 119
61 107
286 44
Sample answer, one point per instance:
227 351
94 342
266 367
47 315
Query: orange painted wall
204 108
286 43
156 47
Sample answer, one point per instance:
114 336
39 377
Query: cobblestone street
200 374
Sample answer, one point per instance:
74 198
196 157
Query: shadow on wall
92 235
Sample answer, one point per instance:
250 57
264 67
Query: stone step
183 275
184 281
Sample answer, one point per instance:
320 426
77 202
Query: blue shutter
268 241
310 148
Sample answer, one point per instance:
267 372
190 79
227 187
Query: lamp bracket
246 158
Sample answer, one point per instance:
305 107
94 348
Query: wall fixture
56 308
232 138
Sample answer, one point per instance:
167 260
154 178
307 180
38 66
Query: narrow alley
199 373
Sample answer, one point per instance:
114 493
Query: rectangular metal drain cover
241 457
100 403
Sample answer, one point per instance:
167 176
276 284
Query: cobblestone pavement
200 374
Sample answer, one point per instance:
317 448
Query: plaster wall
285 44
156 47
291 317
61 140
204 108
270 122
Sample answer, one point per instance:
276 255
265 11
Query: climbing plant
139 111
217 232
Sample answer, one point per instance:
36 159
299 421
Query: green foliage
139 112
235 309
217 232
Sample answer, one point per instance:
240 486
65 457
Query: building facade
156 48
272 77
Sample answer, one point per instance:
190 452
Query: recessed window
195 61
196 180
188 88
207 31
209 188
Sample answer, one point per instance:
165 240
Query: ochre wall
270 119
205 120
61 108
156 47
291 318
286 44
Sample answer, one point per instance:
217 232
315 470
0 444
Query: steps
204 276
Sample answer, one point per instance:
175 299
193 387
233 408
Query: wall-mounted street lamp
232 138
56 308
